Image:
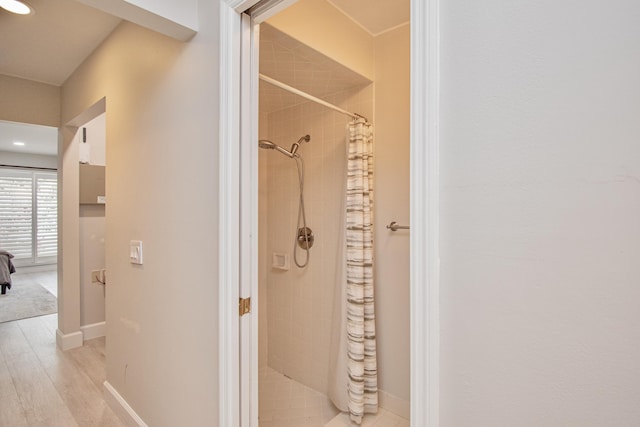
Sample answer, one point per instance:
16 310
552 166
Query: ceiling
37 139
375 16
50 44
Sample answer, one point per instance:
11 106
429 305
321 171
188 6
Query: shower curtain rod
309 97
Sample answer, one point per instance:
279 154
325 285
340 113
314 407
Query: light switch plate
135 251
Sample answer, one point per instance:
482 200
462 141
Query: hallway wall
26 101
162 183
92 295
539 218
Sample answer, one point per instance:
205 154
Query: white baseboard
35 268
120 406
68 341
394 404
94 330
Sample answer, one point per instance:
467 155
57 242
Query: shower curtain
353 376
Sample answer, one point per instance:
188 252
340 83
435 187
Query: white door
249 222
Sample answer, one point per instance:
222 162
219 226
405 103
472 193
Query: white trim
269 9
249 222
120 406
94 330
425 286
37 268
68 341
240 5
394 404
229 227
254 213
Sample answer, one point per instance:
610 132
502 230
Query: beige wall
26 101
391 121
92 295
539 230
162 180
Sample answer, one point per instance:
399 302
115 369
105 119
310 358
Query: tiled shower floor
287 403
382 419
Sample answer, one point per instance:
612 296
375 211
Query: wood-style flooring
40 385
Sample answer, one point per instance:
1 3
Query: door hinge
245 306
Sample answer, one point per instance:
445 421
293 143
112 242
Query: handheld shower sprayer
304 235
296 145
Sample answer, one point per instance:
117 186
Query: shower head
296 145
263 143
269 145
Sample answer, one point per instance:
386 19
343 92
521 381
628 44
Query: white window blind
16 213
28 215
46 216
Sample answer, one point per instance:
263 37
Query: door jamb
425 212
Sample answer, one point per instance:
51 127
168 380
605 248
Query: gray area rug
26 299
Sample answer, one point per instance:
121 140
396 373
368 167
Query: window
29 215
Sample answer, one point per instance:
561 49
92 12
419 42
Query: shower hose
301 215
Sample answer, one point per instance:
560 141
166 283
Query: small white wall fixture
424 213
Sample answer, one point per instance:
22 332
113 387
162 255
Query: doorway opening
299 309
28 220
239 341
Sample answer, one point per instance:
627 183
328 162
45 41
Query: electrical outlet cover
95 276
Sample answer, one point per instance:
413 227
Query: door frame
239 212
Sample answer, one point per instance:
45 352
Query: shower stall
301 188
306 102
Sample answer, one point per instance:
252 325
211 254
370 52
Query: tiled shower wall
299 302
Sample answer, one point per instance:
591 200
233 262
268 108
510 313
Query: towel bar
394 226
